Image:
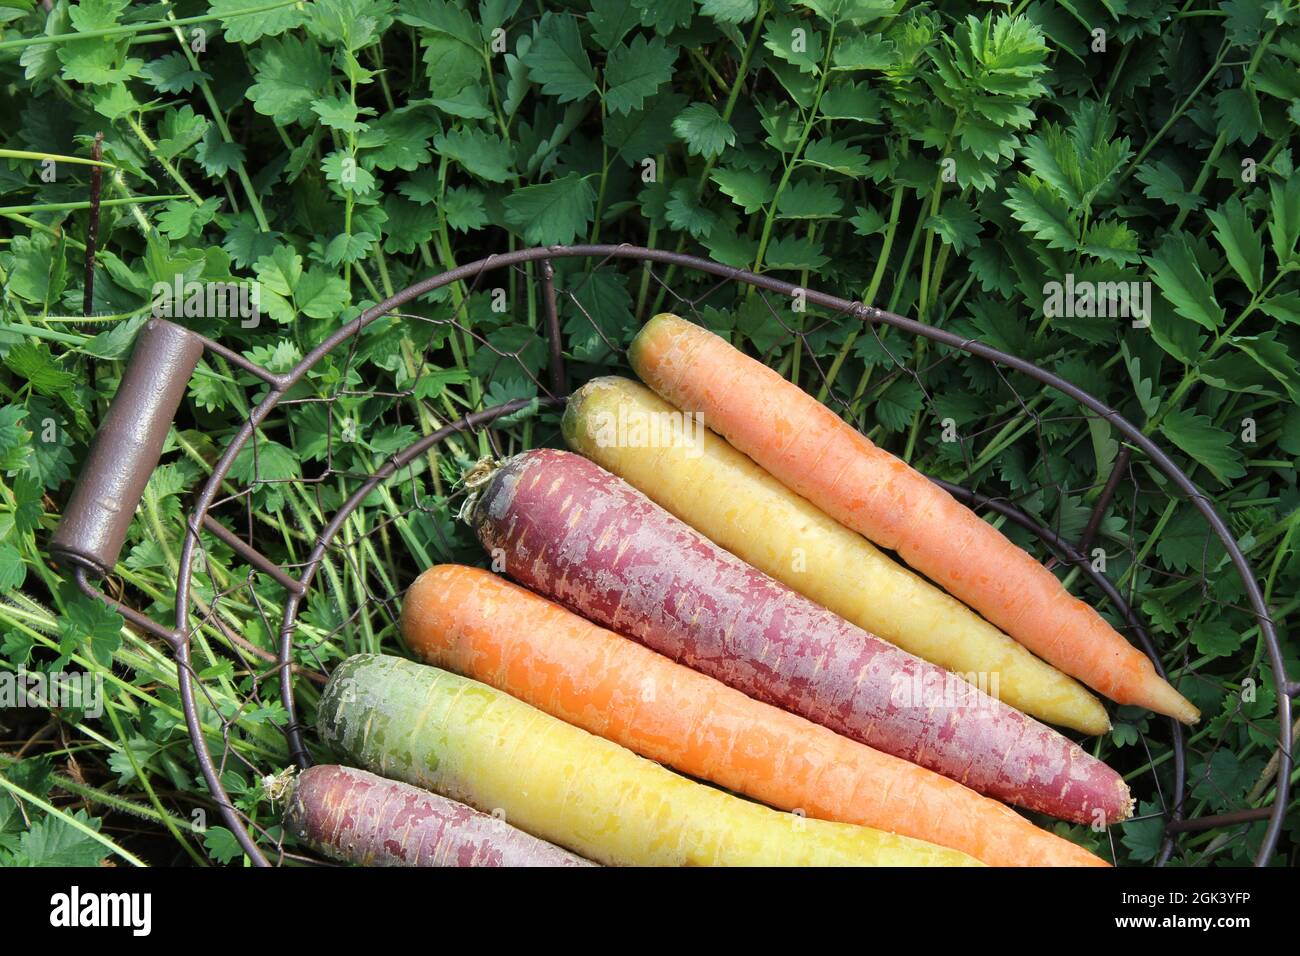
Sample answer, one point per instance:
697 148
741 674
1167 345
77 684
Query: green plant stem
869 296
71 821
140 775
936 194
57 157
107 800
69 206
142 27
152 149
770 218
241 171
1193 375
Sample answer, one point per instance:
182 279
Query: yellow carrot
627 429
472 743
813 452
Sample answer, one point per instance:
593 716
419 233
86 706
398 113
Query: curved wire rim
281 383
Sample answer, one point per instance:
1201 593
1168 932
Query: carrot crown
474 478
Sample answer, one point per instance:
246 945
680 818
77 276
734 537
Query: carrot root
357 817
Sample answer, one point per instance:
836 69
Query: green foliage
990 168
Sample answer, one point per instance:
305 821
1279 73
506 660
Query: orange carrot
473 622
809 449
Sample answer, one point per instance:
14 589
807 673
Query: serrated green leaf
1275 357
35 365
731 249
450 65
703 130
1205 444
809 200
685 212
794 252
553 212
863 52
320 294
1283 306
1241 243
1162 182
796 41
290 75
558 61
750 189
1143 386
340 113
249 29
956 224
635 71
642 134
405 135
450 39
216 156
867 221
1216 638
1053 158
52 841
837 157
895 407
90 627
1145 834
851 101
1237 114
1175 270
179 130
665 15
465 209
13 570
729 11
1111 241
221 845
1043 214
611 20
1284 217
172 73
342 169
481 153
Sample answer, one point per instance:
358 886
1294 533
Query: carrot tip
1164 699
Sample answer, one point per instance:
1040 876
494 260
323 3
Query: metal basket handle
126 447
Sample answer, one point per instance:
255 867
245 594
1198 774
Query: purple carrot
356 817
568 529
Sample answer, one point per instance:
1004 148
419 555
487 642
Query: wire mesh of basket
261 613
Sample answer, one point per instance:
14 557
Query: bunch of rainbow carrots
729 630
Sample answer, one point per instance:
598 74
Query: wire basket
332 585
